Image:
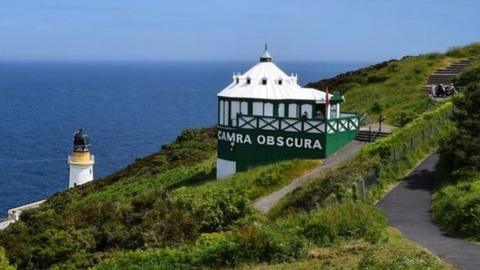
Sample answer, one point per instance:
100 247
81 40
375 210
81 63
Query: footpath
407 208
266 203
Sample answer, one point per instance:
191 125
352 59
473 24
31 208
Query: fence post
362 189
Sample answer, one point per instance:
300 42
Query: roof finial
266 57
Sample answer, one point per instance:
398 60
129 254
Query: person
440 90
305 115
448 90
454 91
433 91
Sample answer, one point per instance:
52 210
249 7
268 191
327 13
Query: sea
129 109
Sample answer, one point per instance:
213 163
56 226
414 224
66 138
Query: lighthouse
265 116
80 160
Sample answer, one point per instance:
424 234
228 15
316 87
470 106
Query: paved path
407 208
266 203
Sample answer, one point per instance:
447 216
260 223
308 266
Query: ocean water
129 109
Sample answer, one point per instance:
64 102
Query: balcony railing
346 122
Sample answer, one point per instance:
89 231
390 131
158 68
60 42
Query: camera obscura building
264 116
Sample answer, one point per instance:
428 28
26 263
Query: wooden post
362 189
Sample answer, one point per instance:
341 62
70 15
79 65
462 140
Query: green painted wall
251 155
336 141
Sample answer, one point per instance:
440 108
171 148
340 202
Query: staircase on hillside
446 75
371 135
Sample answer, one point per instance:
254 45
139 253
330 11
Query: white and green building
264 116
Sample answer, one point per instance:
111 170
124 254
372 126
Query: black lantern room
80 142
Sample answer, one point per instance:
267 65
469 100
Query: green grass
282 240
380 164
131 209
395 253
167 206
456 202
456 207
395 84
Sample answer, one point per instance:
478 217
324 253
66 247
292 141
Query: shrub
344 222
457 208
4 264
214 209
283 240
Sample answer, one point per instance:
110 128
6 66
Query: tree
461 152
377 108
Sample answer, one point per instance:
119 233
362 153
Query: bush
214 209
283 240
4 264
344 222
457 208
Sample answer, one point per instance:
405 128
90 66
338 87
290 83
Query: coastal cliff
169 204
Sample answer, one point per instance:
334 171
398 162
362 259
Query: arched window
264 81
237 80
249 80
280 81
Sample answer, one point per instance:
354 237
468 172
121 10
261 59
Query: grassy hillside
395 84
165 210
146 205
395 253
456 204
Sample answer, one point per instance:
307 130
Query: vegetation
4 265
395 84
379 164
396 253
163 212
147 205
283 240
457 203
457 208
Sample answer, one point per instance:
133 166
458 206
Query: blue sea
129 109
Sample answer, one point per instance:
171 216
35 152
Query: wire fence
396 153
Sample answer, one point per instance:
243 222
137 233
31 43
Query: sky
223 30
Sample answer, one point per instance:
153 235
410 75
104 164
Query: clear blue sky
315 30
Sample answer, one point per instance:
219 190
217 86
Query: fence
395 151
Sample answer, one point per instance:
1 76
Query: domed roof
80 141
267 81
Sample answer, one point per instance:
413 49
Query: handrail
363 116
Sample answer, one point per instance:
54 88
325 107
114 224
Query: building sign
270 140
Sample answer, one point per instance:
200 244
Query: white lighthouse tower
80 160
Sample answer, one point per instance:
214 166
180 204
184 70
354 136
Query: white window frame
220 114
268 109
281 110
292 110
234 110
257 108
307 108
